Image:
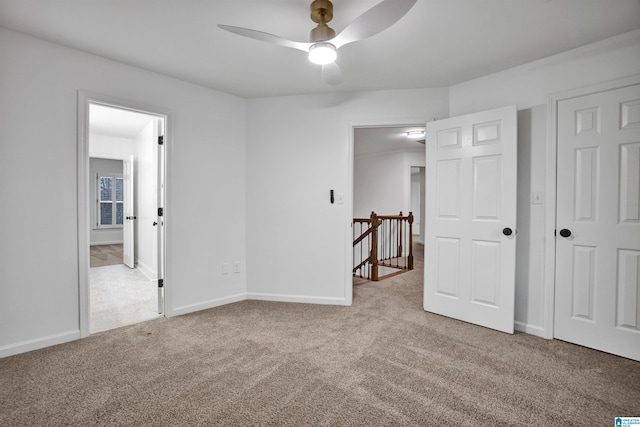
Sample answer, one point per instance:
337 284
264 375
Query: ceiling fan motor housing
321 13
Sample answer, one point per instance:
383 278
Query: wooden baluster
410 258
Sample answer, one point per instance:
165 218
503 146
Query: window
110 200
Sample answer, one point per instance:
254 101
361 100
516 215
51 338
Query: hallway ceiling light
415 134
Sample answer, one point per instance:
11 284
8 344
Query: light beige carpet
381 362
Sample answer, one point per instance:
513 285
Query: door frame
553 100
85 99
353 125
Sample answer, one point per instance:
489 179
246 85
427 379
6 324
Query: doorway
121 164
383 160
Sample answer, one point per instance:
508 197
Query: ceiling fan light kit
324 43
322 53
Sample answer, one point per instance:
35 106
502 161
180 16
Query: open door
128 226
470 236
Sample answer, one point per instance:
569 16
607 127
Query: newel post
374 246
399 227
410 257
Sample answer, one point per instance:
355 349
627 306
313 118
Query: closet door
597 299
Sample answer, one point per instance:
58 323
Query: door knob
565 233
507 231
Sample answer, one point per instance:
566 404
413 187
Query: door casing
353 125
84 100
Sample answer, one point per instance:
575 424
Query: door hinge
161 140
160 212
161 283
555 232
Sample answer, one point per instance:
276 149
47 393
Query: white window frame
114 202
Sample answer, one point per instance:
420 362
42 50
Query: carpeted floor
383 361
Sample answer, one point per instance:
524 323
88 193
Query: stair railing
382 241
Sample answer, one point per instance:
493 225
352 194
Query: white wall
205 211
378 184
101 236
417 200
146 199
382 182
288 183
529 86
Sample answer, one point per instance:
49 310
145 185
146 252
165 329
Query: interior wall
528 86
378 184
411 159
146 200
296 239
101 236
205 211
417 198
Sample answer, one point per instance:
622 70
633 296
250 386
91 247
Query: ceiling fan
324 43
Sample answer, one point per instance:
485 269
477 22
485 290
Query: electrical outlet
225 268
236 267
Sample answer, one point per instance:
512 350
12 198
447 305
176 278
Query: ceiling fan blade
266 37
332 74
373 21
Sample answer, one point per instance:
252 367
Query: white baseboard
64 337
38 343
529 329
296 298
146 270
108 242
206 305
254 296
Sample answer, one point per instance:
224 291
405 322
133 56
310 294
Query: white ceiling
115 122
385 139
439 43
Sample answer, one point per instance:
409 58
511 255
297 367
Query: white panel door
471 217
129 218
598 222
